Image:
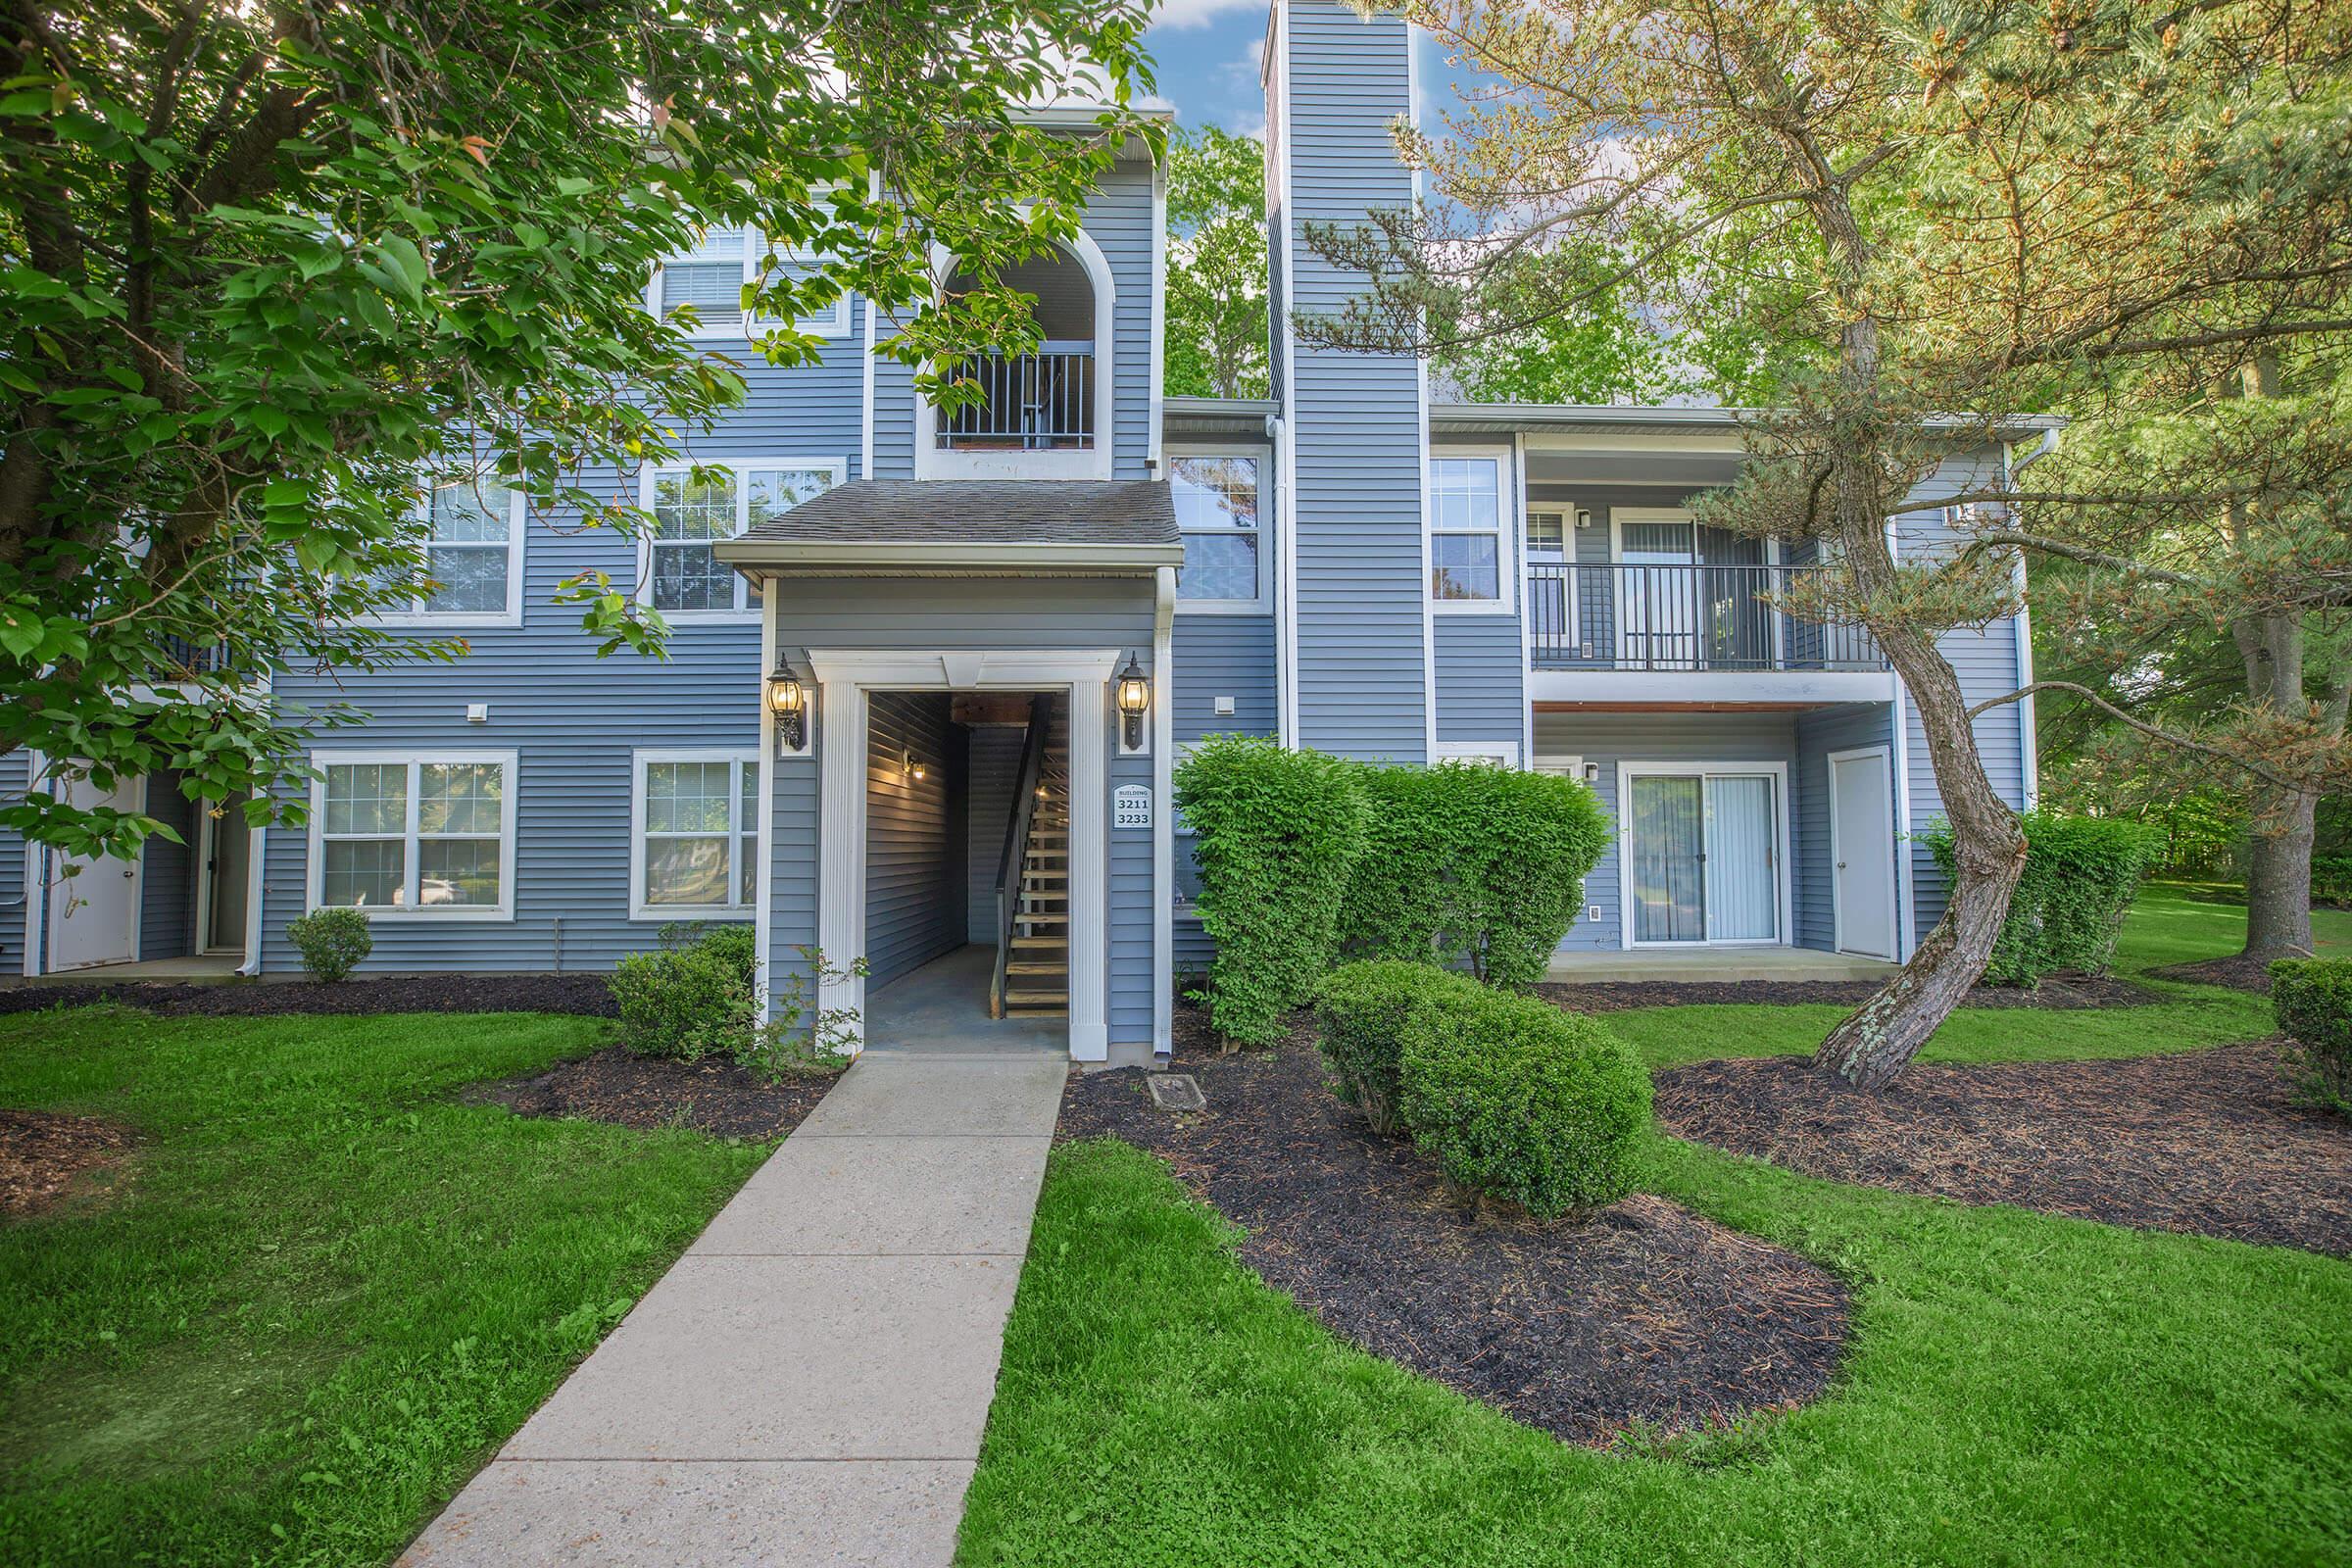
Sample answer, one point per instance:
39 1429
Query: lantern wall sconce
911 766
788 700
1135 701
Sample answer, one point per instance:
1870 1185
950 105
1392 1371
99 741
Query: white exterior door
94 905
1862 844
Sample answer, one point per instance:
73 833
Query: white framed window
678 569
1494 754
472 530
1469 535
1220 510
414 837
711 277
694 834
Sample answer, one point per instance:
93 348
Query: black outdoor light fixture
788 700
1135 697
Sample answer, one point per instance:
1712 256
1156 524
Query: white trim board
844 679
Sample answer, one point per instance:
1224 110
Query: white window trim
744 611
1507 533
1476 752
1781 805
518 524
314 872
1263 457
639 909
835 323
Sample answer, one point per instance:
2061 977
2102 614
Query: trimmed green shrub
1360 1017
331 942
1476 866
1518 1098
2312 999
2082 873
692 995
1277 833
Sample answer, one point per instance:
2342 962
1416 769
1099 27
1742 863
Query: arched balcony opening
1042 400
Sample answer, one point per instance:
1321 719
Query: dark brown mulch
1649 1314
2063 993
584 994
2204 1141
713 1095
43 1155
2236 972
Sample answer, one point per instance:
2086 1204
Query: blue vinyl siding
1362 663
1836 729
168 873
15 882
1217 656
993 769
1480 660
915 864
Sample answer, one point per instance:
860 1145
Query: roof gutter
756 555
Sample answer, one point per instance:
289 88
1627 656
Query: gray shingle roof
899 512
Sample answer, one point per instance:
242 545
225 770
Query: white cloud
1199 13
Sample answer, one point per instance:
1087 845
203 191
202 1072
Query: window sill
427 620
1457 606
731 913
456 917
1223 606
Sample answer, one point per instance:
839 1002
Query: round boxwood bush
2312 999
690 997
1276 834
1360 1017
2082 873
1478 866
1515 1098
331 942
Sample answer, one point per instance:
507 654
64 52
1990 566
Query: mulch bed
43 1155
1649 1315
2236 972
2060 993
2207 1141
584 994
713 1095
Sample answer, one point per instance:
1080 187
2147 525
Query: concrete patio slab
943 1008
530 1513
908 1096
907 1196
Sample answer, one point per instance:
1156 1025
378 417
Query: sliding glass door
1703 857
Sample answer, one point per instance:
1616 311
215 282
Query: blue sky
1206 52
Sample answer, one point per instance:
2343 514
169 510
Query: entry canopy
1046 527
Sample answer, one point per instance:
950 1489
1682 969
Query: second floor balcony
1041 401
1682 618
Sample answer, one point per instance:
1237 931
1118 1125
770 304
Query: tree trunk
2278 880
1874 1043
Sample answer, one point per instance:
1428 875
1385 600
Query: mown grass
2021 1389
320 1293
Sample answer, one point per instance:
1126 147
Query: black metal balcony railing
1042 402
1615 615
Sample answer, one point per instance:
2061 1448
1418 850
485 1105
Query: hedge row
2312 998
1511 1096
1306 858
2082 873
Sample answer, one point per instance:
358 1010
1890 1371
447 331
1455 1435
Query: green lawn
323 1293
2021 1390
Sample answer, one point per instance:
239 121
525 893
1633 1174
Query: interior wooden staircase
1034 967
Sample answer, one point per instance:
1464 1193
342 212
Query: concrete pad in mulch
524 1514
906 1196
790 1358
912 1096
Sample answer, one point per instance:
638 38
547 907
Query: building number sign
1130 806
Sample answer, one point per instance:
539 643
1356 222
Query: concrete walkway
808 1384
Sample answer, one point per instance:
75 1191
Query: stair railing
1016 843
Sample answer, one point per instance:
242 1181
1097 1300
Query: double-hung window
395 833
711 277
1469 555
696 507
1218 510
696 845
472 545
